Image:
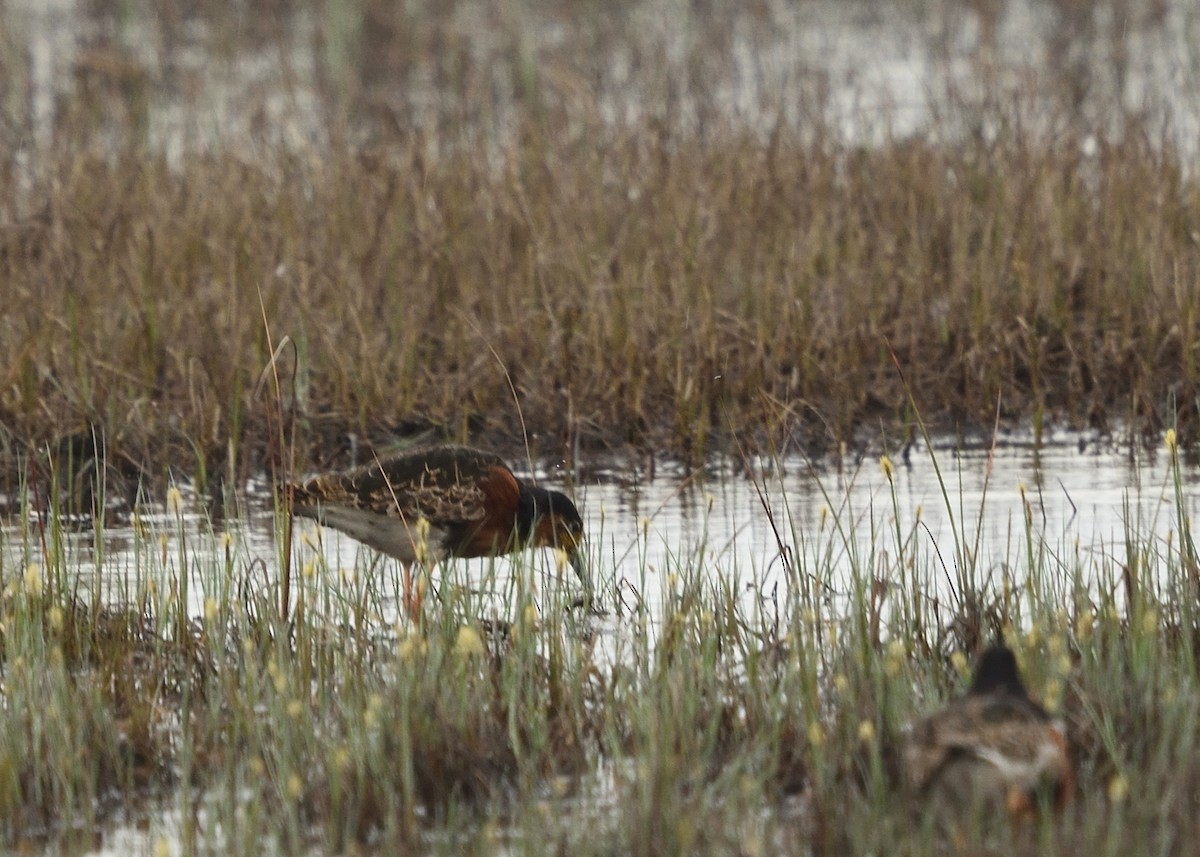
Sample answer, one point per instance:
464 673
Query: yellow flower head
1171 441
468 643
1052 695
530 616
1118 789
866 732
295 786
816 734
1055 644
174 501
421 541
1083 625
886 464
33 580
410 647
341 758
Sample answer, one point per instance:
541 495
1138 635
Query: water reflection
820 521
1072 497
185 78
827 520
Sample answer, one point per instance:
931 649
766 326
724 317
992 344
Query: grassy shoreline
732 716
512 266
640 291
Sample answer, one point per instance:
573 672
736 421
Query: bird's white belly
407 541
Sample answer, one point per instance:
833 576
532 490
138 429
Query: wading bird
426 504
992 748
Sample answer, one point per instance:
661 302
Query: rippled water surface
827 521
1080 504
736 523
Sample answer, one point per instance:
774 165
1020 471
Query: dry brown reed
651 290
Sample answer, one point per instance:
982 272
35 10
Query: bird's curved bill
578 559
577 556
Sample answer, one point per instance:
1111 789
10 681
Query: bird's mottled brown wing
975 725
442 484
924 752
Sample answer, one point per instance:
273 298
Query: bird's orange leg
413 594
408 599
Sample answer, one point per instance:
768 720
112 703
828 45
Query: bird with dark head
992 748
430 503
996 672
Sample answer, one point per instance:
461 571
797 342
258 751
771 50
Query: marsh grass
718 709
643 288
655 283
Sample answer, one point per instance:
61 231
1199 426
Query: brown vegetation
653 291
472 245
732 727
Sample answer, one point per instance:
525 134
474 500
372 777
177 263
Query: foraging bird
993 747
426 504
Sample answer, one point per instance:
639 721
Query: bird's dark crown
996 672
537 503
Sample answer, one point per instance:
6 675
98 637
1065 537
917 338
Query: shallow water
724 521
1081 505
734 523
872 71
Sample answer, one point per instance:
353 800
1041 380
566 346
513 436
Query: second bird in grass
992 748
430 503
